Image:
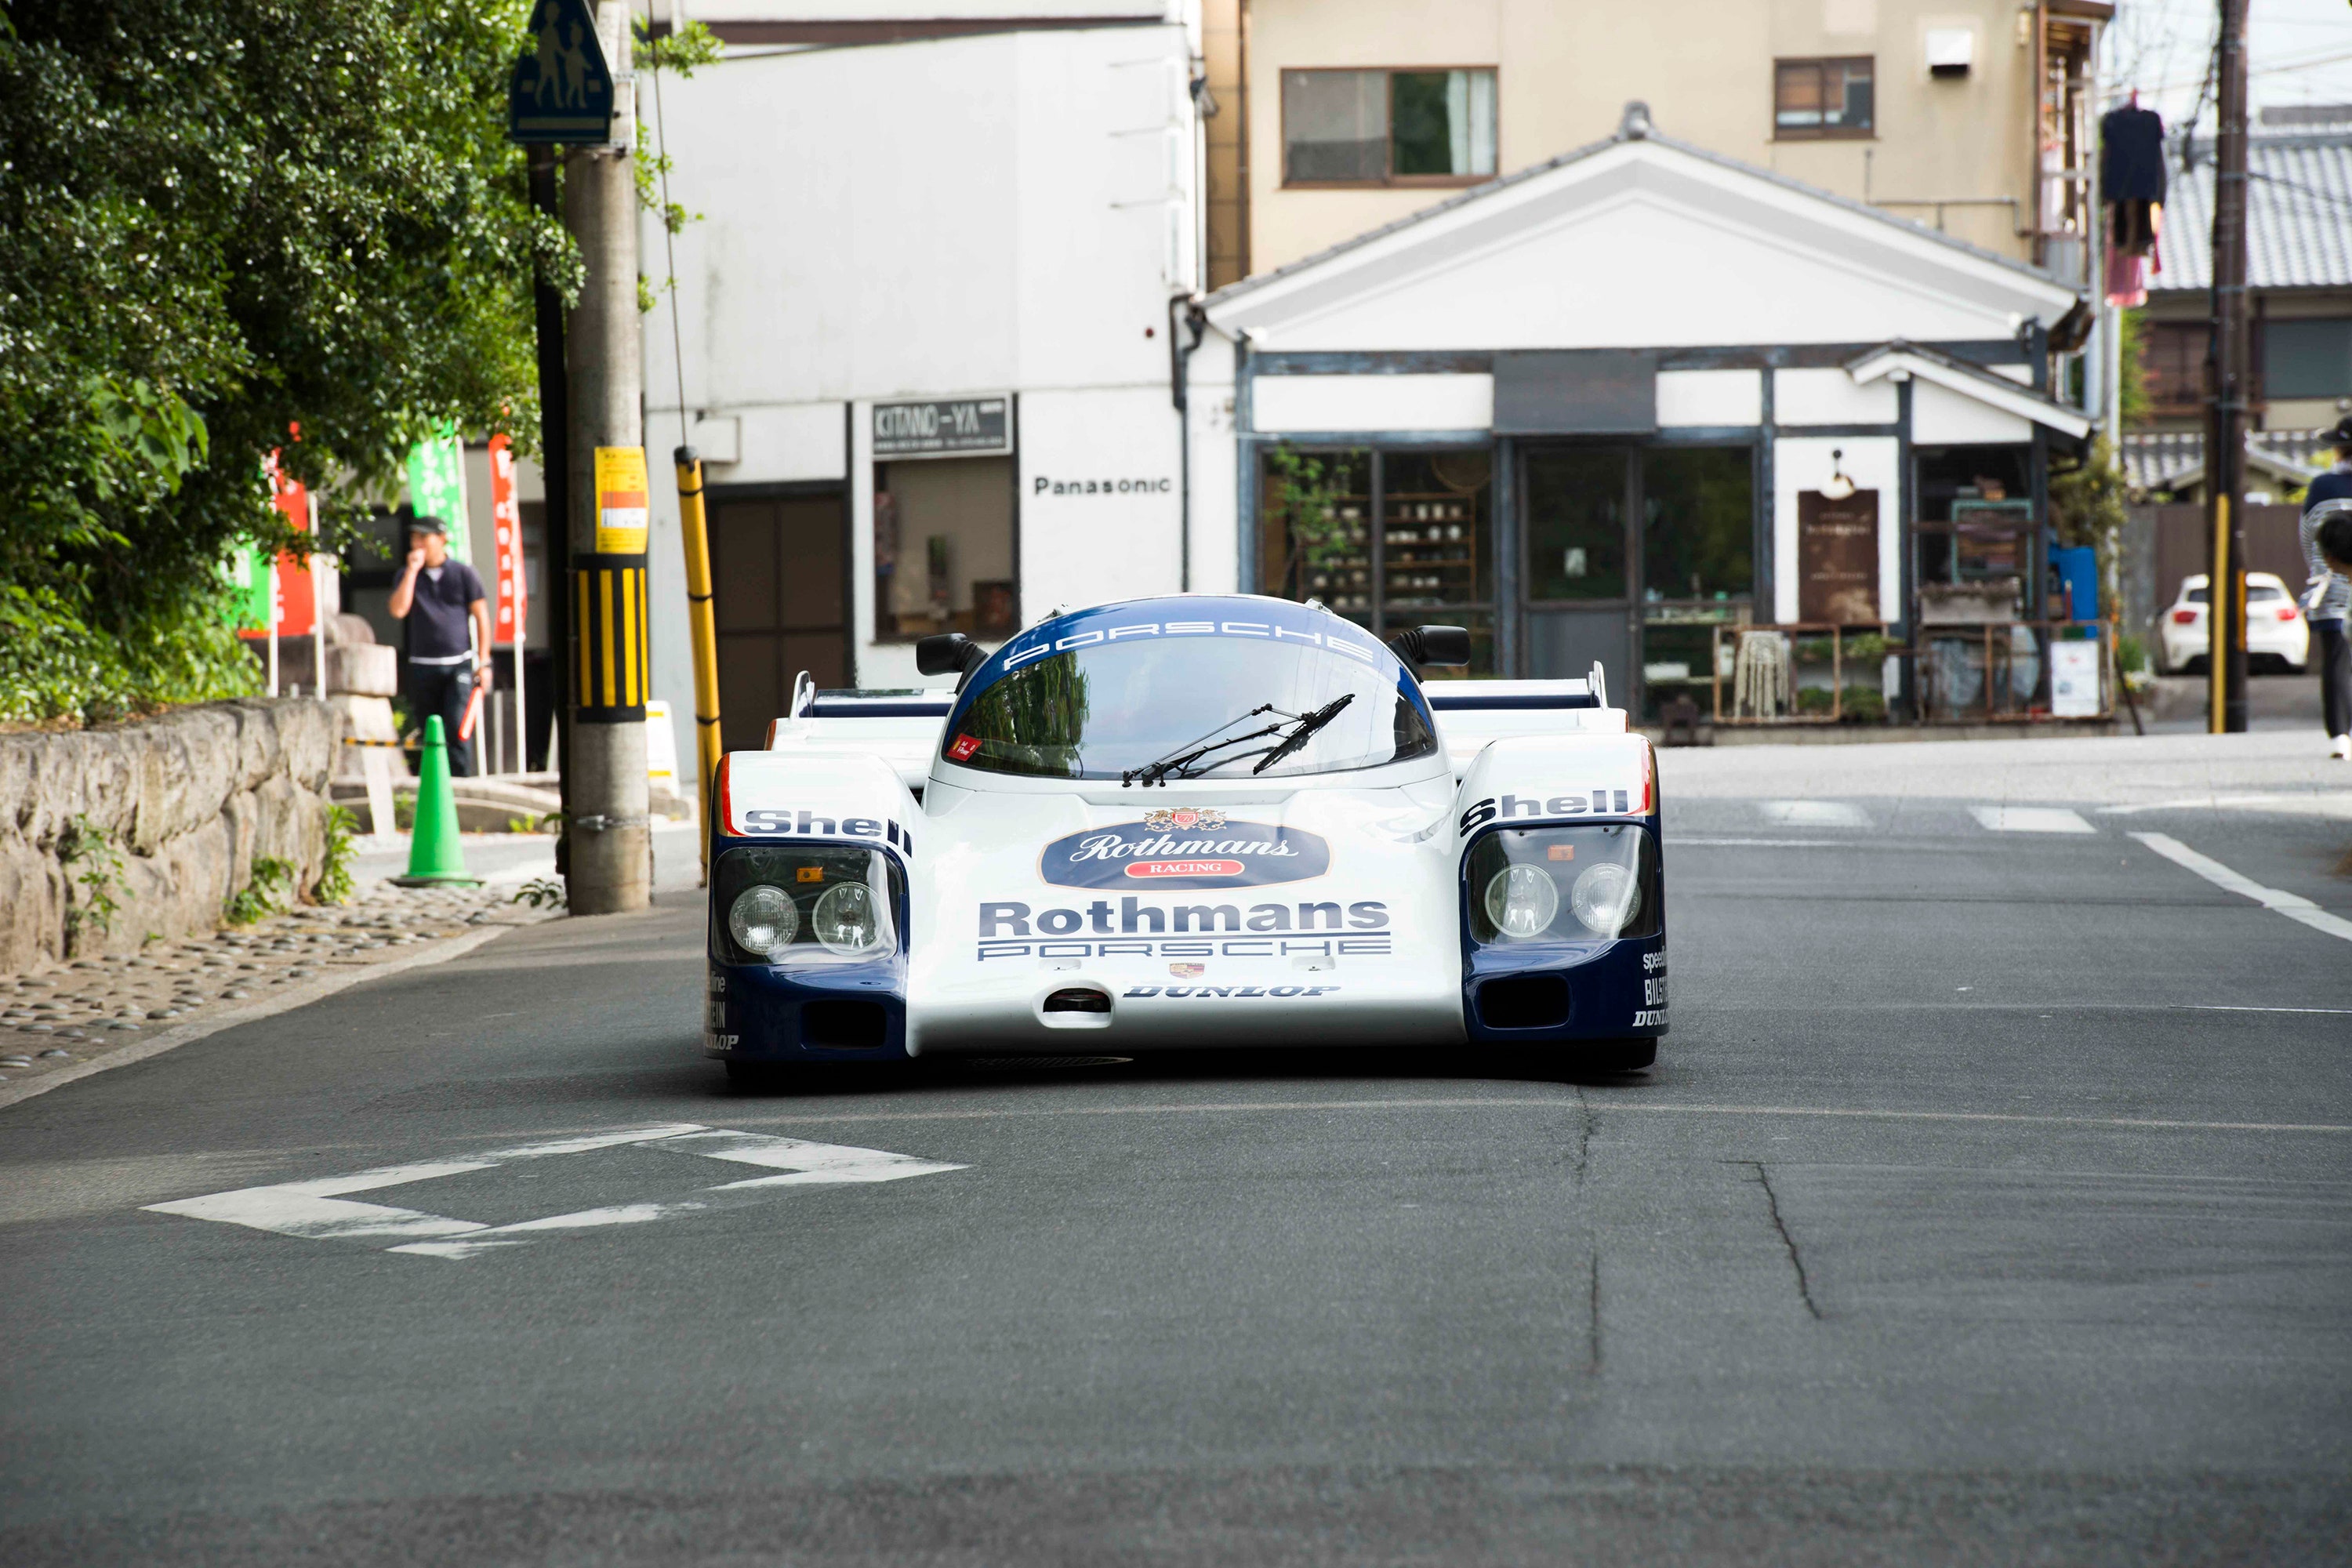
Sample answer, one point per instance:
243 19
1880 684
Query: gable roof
1899 359
1735 211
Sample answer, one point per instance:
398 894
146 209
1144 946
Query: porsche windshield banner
1184 848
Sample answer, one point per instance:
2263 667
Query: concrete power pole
609 833
2225 455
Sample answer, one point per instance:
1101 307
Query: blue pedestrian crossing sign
561 86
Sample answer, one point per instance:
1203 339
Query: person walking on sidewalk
2326 533
445 662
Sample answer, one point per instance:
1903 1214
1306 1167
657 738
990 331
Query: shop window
1389 539
1387 127
1698 565
2307 358
943 549
1822 98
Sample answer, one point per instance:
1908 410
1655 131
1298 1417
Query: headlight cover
1590 882
763 919
798 905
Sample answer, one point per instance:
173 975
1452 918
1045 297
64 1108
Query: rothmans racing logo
1184 850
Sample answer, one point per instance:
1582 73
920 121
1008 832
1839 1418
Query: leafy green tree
221 222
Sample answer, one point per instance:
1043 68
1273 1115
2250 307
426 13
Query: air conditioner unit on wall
1951 51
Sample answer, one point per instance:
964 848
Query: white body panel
1322 908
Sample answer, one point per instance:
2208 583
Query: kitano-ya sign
941 427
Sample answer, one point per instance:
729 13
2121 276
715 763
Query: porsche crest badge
1183 816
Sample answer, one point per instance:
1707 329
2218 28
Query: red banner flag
512 601
298 597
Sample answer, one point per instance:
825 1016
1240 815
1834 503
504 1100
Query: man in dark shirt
447 656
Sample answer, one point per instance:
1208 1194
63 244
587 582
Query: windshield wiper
1308 725
1193 751
1295 730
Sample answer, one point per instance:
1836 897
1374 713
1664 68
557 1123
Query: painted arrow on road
321 1210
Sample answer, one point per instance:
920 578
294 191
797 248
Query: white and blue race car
1197 821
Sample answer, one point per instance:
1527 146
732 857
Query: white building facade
922 324
941 308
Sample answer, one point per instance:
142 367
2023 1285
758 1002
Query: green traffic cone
436 855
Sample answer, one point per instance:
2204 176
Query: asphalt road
1991 1203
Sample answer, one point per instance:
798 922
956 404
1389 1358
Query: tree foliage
222 221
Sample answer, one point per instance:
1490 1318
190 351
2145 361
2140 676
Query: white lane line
1604 1107
1674 840
2218 1007
2334 803
2030 819
314 1209
2293 905
1813 813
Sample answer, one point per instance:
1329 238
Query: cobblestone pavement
81 1012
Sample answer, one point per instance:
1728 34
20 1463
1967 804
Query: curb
285 1002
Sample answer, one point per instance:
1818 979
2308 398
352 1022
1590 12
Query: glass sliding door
1576 572
1698 565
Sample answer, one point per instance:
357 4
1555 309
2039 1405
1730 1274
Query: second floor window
1387 127
1822 98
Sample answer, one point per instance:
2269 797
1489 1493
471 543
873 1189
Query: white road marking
1923 845
2030 819
2293 905
315 1210
2334 804
1813 813
2218 1007
1603 1108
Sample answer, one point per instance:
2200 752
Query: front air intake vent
1078 999
1524 1002
843 1025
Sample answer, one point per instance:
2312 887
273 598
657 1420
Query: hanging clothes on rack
2131 183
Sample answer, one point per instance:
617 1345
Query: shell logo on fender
1207 852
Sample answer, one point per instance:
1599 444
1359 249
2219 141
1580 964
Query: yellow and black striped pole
608 607
696 535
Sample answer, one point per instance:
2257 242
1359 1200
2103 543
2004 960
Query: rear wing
1473 714
902 726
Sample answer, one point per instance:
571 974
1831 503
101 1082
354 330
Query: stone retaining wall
187 800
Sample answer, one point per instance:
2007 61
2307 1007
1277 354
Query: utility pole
2225 452
607 828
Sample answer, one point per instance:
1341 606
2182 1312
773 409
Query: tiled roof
2298 212
2156 460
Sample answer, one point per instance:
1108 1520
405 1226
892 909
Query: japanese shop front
1615 406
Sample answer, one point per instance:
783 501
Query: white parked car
2275 628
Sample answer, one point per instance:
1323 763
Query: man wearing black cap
443 662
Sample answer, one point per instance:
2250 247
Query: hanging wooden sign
1837 558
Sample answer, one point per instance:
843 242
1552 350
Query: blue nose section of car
765 1013
1566 991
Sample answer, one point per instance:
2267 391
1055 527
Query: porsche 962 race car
1197 821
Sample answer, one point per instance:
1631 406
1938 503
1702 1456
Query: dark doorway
779 582
1579 568
1632 556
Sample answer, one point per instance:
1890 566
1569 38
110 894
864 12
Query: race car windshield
1115 710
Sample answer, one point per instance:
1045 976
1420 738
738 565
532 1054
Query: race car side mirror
1432 644
950 653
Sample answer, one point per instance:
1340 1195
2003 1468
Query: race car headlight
763 919
804 904
1522 901
1605 897
1571 883
848 918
